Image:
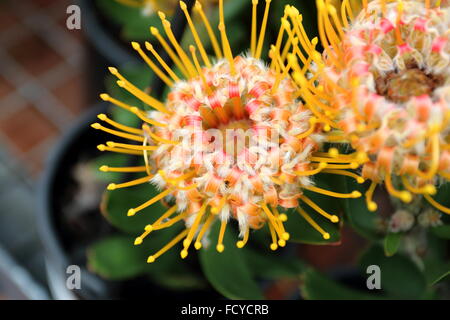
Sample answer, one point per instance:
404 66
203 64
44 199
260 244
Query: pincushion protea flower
186 145
384 78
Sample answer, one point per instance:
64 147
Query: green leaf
116 258
138 29
272 265
442 195
435 261
400 277
392 243
115 205
301 231
365 222
228 271
441 278
316 286
442 231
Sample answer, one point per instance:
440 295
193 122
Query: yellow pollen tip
360 180
110 144
281 242
240 244
183 5
104 96
327 128
101 147
372 206
111 186
161 15
356 194
283 217
134 109
334 219
120 83
333 152
273 247
354 165
406 196
314 41
135 45
331 10
183 253
326 236
430 189
151 259
148 228
220 248
113 70
322 165
285 23
361 157
138 241
104 168
286 236
102 116
148 45
131 212
96 125
154 31
197 245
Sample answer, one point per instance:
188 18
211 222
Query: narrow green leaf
441 278
228 271
392 243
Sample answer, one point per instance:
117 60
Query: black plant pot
65 243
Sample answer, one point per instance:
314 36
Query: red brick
72 94
7 16
5 87
27 128
35 55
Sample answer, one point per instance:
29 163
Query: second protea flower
231 142
385 79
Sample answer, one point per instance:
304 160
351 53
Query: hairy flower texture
384 77
186 147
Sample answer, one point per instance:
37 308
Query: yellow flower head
384 77
232 141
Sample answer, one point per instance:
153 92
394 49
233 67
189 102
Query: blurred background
50 77
44 87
